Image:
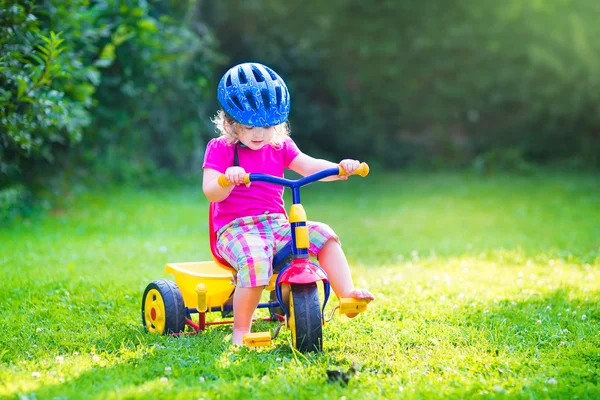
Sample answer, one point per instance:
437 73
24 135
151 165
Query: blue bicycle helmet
254 95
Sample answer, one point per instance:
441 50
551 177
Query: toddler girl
250 221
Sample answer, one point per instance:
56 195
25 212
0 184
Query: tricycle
207 286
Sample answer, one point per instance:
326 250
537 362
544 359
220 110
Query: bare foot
362 294
238 336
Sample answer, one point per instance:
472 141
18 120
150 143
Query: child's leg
245 300
333 260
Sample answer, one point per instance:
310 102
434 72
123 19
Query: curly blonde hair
228 127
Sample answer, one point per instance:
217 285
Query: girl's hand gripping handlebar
224 182
362 170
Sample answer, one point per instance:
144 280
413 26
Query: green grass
486 288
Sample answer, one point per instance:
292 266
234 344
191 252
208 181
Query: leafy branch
48 54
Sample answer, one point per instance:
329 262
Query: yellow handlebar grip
362 170
224 182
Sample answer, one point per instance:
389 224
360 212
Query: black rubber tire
172 304
306 320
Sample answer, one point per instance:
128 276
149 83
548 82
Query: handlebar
362 170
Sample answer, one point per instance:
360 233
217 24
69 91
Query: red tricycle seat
213 239
279 259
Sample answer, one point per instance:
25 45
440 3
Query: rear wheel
163 310
305 320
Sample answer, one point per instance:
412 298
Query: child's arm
210 185
307 165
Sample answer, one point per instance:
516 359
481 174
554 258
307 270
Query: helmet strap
236 158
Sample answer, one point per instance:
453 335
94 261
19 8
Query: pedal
352 306
257 339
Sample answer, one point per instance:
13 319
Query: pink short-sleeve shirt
260 197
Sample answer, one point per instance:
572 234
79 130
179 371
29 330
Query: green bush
152 113
130 79
43 97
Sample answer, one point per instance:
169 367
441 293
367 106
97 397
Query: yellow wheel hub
154 311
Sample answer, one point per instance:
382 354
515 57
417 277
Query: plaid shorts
249 243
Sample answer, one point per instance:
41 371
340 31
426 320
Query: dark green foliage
431 81
14 201
43 96
138 72
151 113
495 85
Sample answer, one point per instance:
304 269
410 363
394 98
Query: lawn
487 287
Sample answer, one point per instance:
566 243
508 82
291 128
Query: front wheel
305 320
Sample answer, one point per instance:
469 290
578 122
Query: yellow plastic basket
218 281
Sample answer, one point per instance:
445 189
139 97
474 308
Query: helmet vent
257 74
265 98
251 100
278 96
228 81
237 103
273 76
242 75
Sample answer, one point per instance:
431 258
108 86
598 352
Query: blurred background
123 91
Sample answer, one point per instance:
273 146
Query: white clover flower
60 358
583 317
168 370
36 375
164 379
551 381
